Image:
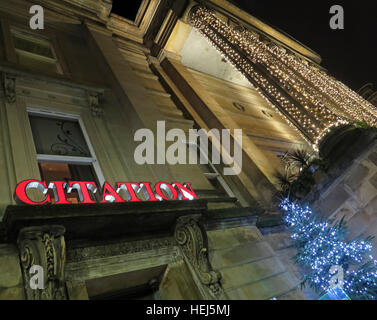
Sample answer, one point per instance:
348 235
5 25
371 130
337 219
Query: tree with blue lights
322 245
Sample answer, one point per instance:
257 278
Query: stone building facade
97 77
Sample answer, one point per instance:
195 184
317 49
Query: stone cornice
100 251
102 221
81 9
98 12
53 12
38 77
124 28
153 20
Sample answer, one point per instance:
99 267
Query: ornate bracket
192 238
43 246
96 109
9 83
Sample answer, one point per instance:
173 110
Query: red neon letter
109 194
21 196
129 188
186 191
59 194
169 189
83 188
148 192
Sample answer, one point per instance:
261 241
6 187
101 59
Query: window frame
211 175
93 161
35 37
10 53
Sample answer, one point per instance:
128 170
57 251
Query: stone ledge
102 221
269 221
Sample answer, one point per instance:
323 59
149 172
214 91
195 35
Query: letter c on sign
21 196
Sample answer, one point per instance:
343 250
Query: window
61 137
35 53
210 171
63 152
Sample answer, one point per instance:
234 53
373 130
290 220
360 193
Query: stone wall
249 265
253 266
178 284
11 282
280 240
353 195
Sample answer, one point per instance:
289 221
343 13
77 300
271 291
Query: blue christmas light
321 246
336 293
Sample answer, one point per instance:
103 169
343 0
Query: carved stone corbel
192 239
43 246
95 108
9 84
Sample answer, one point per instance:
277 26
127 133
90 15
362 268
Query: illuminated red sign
85 189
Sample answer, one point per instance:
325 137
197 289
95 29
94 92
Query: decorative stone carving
192 238
43 246
9 83
96 109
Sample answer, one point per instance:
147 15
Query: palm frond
299 158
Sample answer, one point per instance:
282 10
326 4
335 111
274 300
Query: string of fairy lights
334 93
322 245
311 101
245 68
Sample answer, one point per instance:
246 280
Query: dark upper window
128 10
35 53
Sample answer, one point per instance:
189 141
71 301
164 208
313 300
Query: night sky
126 8
350 54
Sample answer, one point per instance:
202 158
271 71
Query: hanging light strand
307 98
322 245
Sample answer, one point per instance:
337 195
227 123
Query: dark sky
350 54
126 8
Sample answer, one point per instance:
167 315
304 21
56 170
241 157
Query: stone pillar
138 106
43 246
